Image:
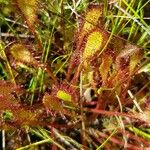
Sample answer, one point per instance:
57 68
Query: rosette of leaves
112 70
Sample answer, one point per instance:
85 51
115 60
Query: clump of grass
74 75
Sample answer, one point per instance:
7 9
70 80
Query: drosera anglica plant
92 17
55 110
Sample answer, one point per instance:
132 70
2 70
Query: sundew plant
74 74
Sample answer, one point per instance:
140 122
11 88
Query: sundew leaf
10 108
7 89
26 117
92 16
9 93
52 103
88 25
105 66
135 59
132 54
64 96
28 8
20 116
94 43
21 54
124 65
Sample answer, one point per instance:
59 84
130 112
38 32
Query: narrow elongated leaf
28 8
90 22
94 43
92 17
105 66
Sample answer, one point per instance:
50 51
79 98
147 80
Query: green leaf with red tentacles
7 90
28 9
92 16
52 103
94 43
55 105
22 54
